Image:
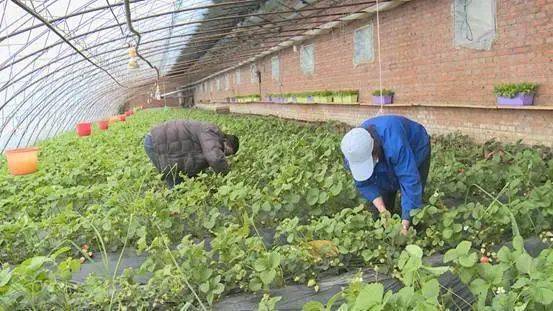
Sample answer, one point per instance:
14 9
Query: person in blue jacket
386 154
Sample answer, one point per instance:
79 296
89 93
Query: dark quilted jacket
189 147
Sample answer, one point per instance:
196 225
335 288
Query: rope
381 110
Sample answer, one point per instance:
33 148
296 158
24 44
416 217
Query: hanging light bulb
133 63
158 93
132 52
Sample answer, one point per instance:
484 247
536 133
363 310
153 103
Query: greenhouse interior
276 155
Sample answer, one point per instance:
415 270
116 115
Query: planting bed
248 232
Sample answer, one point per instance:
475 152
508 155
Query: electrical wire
62 37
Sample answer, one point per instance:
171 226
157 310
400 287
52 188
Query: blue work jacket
405 145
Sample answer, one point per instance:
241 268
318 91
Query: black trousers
389 198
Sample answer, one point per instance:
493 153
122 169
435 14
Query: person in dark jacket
386 154
188 147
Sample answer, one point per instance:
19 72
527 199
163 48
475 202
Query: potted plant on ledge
383 97
515 94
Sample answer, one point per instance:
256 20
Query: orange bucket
22 161
103 125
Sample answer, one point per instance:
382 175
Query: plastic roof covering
46 86
65 61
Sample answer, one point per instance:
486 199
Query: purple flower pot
386 99
519 100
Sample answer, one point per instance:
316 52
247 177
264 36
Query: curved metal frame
44 98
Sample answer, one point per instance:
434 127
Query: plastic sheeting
474 23
295 296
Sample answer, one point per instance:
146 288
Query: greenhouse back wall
444 82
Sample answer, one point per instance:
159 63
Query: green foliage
513 89
383 92
289 180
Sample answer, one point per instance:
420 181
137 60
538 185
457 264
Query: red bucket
103 125
84 129
122 117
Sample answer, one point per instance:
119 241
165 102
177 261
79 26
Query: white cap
357 147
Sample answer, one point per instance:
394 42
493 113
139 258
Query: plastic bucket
122 117
103 125
22 161
84 129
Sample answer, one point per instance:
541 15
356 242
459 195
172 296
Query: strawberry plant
213 235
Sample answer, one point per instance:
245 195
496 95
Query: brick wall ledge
546 108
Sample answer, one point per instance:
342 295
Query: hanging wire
62 37
381 110
468 34
131 28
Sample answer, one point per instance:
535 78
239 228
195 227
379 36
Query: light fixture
133 64
158 93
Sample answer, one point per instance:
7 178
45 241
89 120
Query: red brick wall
532 126
420 62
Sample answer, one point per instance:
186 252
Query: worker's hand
405 227
385 217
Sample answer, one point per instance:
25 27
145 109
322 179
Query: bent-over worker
189 147
386 154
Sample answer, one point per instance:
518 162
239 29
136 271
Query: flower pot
384 100
519 100
84 129
350 99
122 117
103 125
113 120
127 113
22 161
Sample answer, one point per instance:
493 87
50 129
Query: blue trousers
171 178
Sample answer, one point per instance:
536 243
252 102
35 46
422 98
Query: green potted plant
515 94
383 97
337 97
350 96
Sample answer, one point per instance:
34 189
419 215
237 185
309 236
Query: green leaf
542 292
468 261
504 254
323 197
521 282
524 263
5 277
450 255
431 289
480 289
518 243
267 277
274 260
447 233
369 296
405 296
414 250
463 248
313 306
312 196
255 285
436 270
